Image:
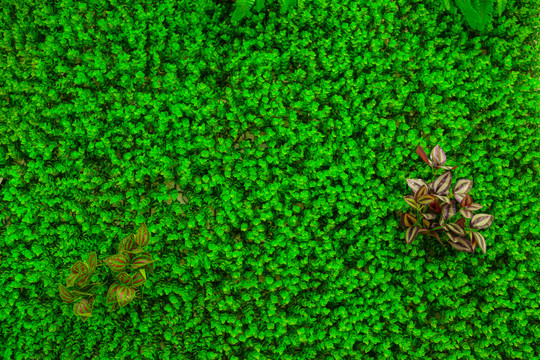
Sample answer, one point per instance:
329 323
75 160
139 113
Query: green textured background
268 159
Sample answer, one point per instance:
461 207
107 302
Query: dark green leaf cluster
243 7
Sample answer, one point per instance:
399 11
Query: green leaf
111 293
80 268
83 308
139 278
448 4
142 238
71 279
65 294
246 5
124 295
127 243
124 278
141 260
91 262
38 250
117 262
501 4
259 5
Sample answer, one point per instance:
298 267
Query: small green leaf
447 4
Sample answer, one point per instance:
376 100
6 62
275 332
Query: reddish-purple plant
432 199
123 290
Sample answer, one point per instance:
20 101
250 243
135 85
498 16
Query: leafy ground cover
269 160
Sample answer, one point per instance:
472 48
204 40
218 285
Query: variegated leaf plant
432 199
130 256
